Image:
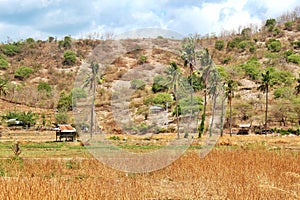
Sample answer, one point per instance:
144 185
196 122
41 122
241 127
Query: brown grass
224 174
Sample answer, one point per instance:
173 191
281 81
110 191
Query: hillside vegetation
40 74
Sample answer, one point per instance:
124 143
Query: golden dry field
238 167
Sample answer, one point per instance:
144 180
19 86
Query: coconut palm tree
91 82
264 87
231 86
174 74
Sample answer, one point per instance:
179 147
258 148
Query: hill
41 74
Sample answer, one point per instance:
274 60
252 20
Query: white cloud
66 17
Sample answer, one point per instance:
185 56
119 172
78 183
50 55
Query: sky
39 19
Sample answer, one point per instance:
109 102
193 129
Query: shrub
162 99
252 49
246 33
242 45
3 64
143 59
159 84
289 25
27 118
30 40
283 92
23 72
294 58
43 86
219 45
65 102
11 49
138 84
70 58
233 43
274 45
252 69
61 118
226 60
66 43
282 77
270 24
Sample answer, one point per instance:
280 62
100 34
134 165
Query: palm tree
174 74
190 54
265 85
297 88
92 81
231 85
3 87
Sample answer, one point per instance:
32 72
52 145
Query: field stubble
226 173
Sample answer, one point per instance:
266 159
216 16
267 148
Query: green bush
283 92
28 118
242 45
69 58
43 86
61 118
137 84
143 59
270 24
23 72
294 58
3 63
10 49
159 84
282 77
289 25
246 33
252 49
233 43
66 43
219 45
274 45
226 60
65 102
162 99
252 69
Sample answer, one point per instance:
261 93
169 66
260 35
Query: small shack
244 129
65 131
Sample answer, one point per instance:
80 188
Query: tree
190 54
91 82
174 75
231 86
265 85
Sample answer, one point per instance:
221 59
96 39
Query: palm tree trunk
177 113
191 111
266 113
230 117
93 109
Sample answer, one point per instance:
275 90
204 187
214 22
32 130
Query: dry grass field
234 169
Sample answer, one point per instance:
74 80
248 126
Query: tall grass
223 174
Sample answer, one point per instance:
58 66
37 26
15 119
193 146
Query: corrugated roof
67 128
